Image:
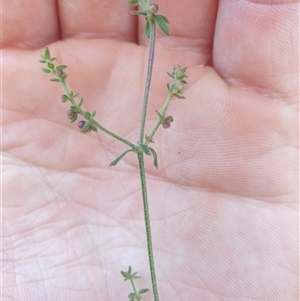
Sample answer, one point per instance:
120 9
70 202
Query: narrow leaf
148 29
55 80
93 113
160 117
162 24
42 61
80 102
47 53
133 2
116 161
154 154
164 18
145 149
143 291
46 70
61 67
139 13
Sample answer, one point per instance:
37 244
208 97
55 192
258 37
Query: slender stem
147 224
148 81
134 289
94 122
158 123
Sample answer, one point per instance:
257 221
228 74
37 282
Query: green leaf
179 96
145 149
133 2
143 291
55 80
164 18
73 119
160 20
160 117
80 102
139 13
93 113
74 108
87 115
46 70
61 67
50 66
148 28
53 59
42 61
115 162
47 54
154 154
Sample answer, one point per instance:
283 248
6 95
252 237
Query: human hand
223 203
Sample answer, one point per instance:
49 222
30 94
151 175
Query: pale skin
224 201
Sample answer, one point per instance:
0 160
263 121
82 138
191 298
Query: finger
191 25
256 45
31 24
94 18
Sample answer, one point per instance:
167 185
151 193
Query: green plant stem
158 123
134 290
95 123
148 82
147 224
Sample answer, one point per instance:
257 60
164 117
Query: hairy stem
147 224
148 82
158 123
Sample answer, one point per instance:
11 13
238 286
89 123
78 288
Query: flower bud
166 125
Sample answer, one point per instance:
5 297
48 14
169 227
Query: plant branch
94 122
148 81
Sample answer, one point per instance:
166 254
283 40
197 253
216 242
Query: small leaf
80 102
61 67
74 108
143 291
87 115
145 149
139 13
164 18
179 96
115 162
47 54
73 119
133 2
148 28
55 80
160 117
42 61
160 20
50 66
93 113
53 59
154 157
46 70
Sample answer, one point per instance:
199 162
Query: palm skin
223 203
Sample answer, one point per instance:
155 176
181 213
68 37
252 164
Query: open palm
223 203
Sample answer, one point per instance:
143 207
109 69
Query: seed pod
166 125
153 8
81 124
59 72
71 113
